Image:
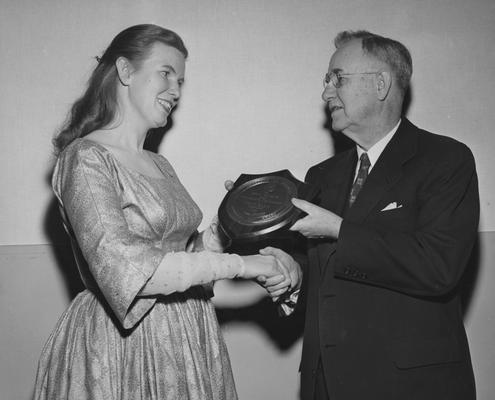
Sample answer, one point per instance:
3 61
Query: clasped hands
287 276
273 269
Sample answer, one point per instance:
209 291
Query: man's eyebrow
337 70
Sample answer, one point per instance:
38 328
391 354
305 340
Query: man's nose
328 93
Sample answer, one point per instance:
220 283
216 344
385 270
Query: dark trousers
321 391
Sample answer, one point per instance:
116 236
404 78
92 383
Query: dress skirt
175 352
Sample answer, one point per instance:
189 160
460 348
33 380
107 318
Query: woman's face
154 87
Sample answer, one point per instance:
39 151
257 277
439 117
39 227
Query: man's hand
292 273
319 222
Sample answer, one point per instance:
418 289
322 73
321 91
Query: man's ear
124 70
383 84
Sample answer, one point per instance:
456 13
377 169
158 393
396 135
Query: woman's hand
213 239
257 265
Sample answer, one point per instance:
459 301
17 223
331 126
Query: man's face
352 104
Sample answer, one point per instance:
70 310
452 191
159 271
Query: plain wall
251 103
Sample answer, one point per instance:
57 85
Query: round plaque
260 204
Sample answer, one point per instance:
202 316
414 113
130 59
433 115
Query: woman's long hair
97 107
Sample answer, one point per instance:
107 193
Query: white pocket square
392 206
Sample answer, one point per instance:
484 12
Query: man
388 242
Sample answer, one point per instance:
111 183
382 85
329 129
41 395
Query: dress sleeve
120 261
178 271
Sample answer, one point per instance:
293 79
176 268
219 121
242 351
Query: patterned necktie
362 174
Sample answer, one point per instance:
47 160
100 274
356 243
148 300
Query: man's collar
375 150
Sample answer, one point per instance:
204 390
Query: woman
144 328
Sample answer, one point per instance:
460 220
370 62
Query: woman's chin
160 123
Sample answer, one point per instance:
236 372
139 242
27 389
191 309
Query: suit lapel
335 185
387 171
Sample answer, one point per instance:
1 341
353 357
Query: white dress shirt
375 150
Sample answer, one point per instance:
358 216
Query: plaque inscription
259 205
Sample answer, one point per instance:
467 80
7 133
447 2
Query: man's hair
389 51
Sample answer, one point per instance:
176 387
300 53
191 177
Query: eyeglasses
336 78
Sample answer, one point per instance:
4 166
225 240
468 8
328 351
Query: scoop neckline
123 166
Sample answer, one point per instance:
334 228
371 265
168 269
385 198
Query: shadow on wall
284 332
59 239
468 281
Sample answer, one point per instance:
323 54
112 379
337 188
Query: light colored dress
111 344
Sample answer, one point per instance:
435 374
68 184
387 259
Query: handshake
272 268
275 270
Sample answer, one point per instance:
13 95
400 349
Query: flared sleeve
120 261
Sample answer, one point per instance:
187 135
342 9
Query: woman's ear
124 69
384 83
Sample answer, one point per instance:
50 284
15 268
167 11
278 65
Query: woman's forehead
162 54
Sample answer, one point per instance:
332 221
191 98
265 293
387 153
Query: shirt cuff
288 303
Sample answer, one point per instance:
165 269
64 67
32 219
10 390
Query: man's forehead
348 56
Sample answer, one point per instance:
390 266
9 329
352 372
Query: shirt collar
375 150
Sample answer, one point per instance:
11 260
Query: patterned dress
110 343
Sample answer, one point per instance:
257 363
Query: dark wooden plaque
259 206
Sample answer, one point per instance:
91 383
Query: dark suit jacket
382 306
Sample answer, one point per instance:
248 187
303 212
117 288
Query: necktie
364 166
